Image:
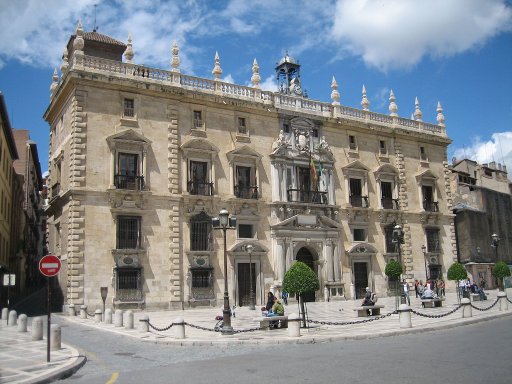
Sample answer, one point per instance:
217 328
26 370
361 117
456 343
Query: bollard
404 313
128 321
108 316
37 328
97 316
83 312
22 323
12 319
144 323
118 318
55 337
294 325
71 310
503 301
5 314
179 328
466 308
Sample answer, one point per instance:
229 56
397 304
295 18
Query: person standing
406 292
416 283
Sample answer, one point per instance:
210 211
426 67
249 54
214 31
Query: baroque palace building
141 159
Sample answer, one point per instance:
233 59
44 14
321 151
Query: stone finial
417 111
64 66
78 44
440 116
128 53
175 60
364 101
335 95
393 108
55 83
255 78
217 70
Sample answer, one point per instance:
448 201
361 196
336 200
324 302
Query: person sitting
481 294
270 303
369 298
277 308
428 293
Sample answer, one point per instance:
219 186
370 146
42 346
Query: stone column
502 296
337 261
55 340
97 316
113 167
274 174
289 253
128 323
280 259
37 328
13 319
404 312
179 328
144 323
22 323
466 308
294 325
284 181
329 260
332 198
118 318
144 166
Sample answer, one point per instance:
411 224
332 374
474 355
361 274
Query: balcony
200 188
246 192
306 196
390 203
133 183
431 206
359 201
55 190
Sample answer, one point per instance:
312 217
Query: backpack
374 298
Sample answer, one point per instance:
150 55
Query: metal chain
158 329
88 314
436 316
508 300
219 329
486 308
352 322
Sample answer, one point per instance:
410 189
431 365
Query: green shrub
300 279
393 270
457 272
501 270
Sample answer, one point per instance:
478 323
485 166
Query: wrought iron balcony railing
390 203
305 196
431 206
246 192
359 201
134 183
200 188
55 190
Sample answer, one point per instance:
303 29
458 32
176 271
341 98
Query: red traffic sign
49 265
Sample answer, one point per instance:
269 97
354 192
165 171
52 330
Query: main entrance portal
306 257
360 279
244 283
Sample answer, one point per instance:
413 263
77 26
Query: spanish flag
313 172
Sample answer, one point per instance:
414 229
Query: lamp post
398 238
494 243
224 222
250 248
424 250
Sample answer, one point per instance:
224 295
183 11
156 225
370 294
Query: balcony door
127 171
199 184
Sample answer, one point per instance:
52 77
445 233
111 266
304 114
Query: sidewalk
24 361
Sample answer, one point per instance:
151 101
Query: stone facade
142 159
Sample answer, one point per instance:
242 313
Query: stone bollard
13 319
118 318
83 312
22 323
503 301
144 323
55 337
97 316
294 325
128 321
37 328
466 308
5 314
71 310
108 316
404 313
178 325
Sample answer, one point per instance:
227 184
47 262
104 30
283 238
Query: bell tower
288 76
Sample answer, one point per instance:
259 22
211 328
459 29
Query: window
428 199
198 183
242 126
198 119
201 278
128 108
356 193
315 133
245 231
487 172
128 232
286 128
200 232
127 176
128 284
382 147
423 154
387 200
432 240
359 234
352 142
245 183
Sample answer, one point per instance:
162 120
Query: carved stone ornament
122 199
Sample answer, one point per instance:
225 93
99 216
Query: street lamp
424 250
398 238
224 222
495 242
249 248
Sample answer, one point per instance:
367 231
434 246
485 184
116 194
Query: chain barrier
219 329
156 328
89 314
437 316
486 308
508 300
378 317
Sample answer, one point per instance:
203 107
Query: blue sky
458 52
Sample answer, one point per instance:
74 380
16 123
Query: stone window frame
386 173
427 178
356 170
130 121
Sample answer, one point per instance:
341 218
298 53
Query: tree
393 271
500 270
300 279
457 272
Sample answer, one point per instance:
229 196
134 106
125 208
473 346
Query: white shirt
406 287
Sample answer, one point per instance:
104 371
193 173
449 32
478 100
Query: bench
431 303
273 322
368 310
475 297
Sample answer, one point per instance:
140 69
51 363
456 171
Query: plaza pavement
24 361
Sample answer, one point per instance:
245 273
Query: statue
279 142
323 145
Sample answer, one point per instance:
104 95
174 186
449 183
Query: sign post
49 266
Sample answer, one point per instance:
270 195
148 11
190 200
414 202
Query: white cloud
498 149
269 84
391 34
228 79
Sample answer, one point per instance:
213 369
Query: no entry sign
49 265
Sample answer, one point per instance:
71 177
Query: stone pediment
243 151
426 174
386 168
241 247
128 136
355 165
307 221
199 145
362 248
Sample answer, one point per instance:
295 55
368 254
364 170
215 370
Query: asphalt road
478 353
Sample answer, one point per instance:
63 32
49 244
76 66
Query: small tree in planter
393 271
500 271
300 279
457 272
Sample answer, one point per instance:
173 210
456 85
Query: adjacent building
142 159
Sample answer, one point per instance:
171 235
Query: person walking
416 283
406 292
